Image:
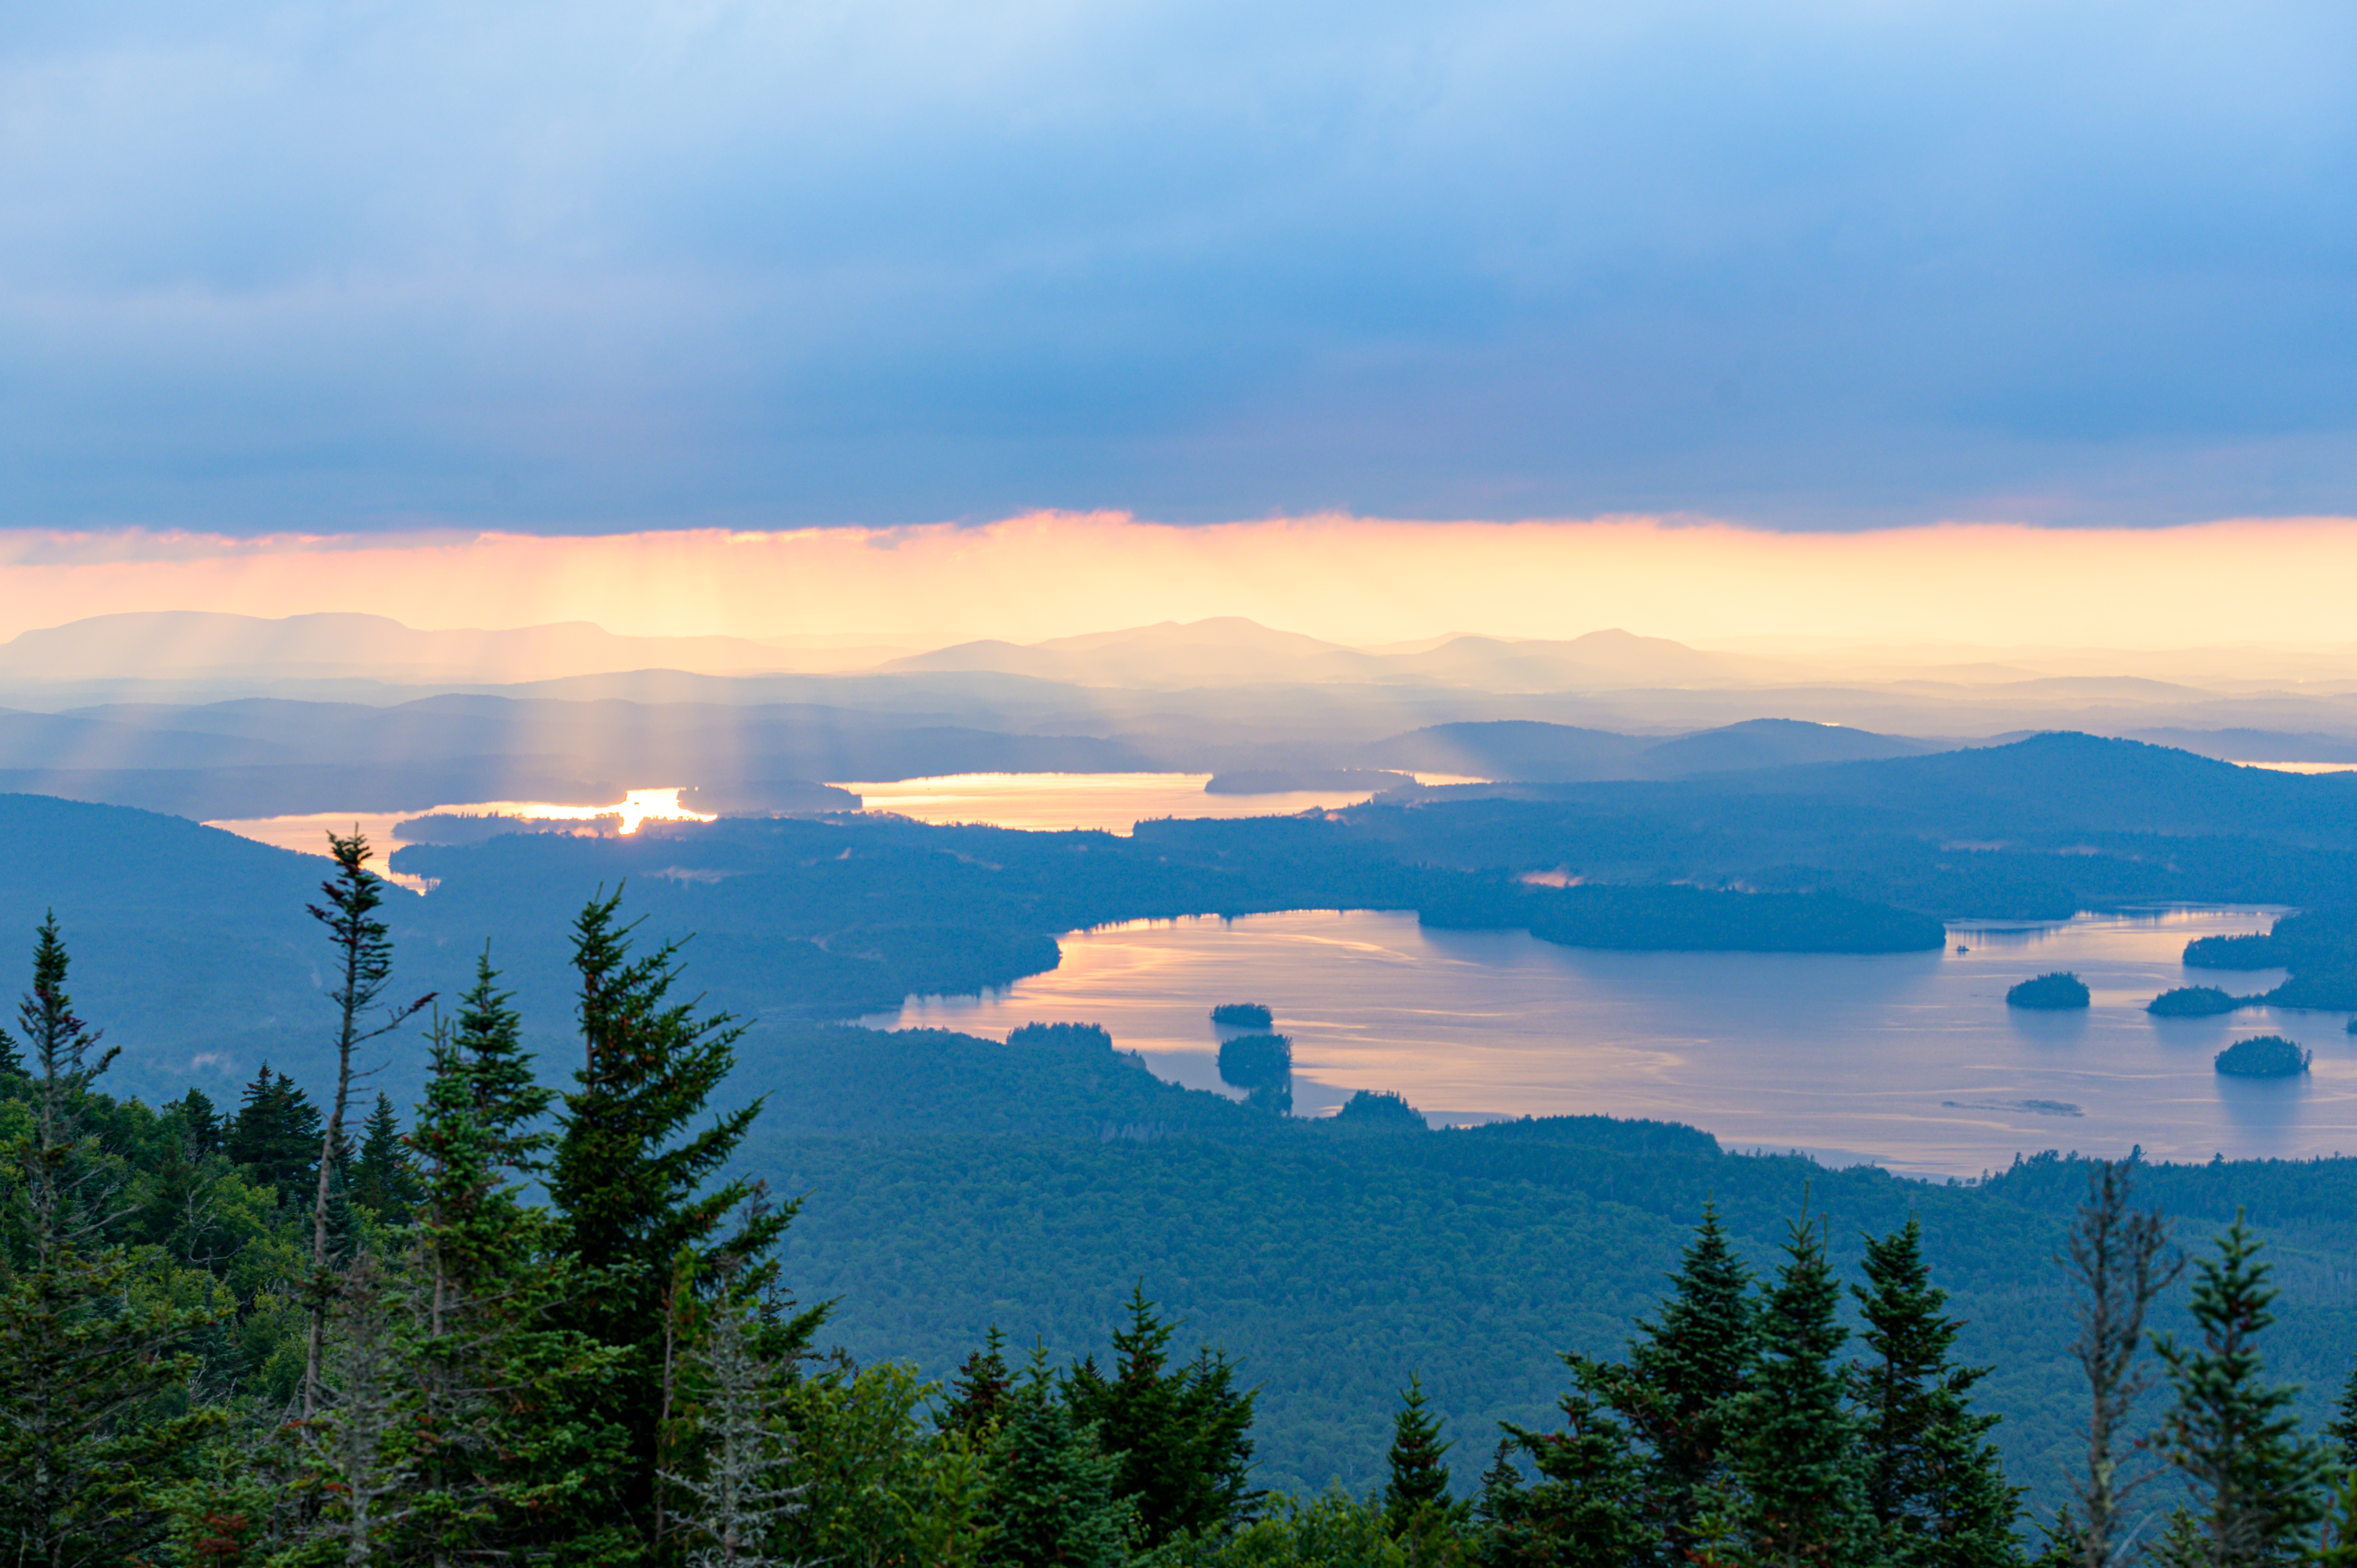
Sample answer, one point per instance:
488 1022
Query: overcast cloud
590 266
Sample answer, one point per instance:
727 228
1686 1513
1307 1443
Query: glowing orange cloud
1351 579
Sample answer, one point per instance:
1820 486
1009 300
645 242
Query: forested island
2319 946
2195 1002
2263 1055
2050 993
1241 1015
554 1327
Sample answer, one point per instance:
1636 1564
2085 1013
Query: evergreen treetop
1419 1481
276 1134
979 1391
1179 1434
1803 1497
1933 1480
2260 1488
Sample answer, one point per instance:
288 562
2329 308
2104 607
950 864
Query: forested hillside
304 1365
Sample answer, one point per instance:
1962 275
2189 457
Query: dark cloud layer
590 266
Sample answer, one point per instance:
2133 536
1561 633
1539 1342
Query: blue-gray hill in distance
1527 751
198 645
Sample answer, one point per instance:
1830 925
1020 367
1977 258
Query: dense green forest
597 1325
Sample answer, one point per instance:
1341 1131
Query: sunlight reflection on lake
1913 1061
1114 802
307 832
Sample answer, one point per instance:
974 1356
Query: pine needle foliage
86 1354
1055 1498
1933 1478
635 1184
1803 1499
978 1393
2260 1488
363 947
1418 1485
1180 1433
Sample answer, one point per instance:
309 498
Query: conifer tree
82 1352
2342 1427
1587 1504
1934 1480
384 1179
633 1185
979 1391
363 947
1682 1378
519 1454
361 1452
1054 1498
1419 1482
1803 1488
1180 1433
199 1124
275 1135
2261 1487
1497 1505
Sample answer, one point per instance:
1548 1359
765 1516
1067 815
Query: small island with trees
2263 1055
1256 1061
2195 1002
1243 1015
2050 993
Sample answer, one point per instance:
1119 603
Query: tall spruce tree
523 1447
1055 1497
1180 1433
2260 1488
84 1352
363 947
1683 1375
275 1135
384 1178
1802 1479
978 1392
2342 1427
1587 1504
1934 1480
1419 1481
633 1185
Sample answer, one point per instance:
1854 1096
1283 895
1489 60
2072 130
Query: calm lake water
1115 803
1910 1060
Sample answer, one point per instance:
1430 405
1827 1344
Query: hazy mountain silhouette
1510 749
203 644
1599 659
1525 750
1770 743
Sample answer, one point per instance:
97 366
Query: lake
1114 802
1910 1061
1045 802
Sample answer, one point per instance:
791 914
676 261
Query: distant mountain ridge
189 644
1526 751
1231 651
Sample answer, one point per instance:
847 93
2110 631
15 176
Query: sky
1363 581
349 268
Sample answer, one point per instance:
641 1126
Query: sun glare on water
308 831
638 806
